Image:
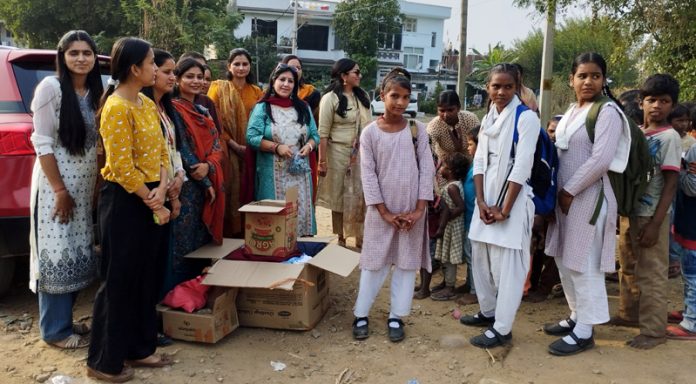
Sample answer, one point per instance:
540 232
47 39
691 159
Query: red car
20 71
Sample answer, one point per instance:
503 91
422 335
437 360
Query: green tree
486 61
664 33
40 24
175 25
183 25
576 36
363 26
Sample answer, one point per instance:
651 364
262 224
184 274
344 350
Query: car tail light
15 143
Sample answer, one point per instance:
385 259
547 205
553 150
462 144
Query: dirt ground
436 348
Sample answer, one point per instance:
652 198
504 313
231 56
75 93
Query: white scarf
493 122
571 121
566 129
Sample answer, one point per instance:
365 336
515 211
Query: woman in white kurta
502 221
582 182
63 181
397 177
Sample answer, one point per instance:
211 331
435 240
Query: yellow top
249 94
342 130
133 142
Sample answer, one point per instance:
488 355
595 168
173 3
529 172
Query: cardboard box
270 227
282 296
205 328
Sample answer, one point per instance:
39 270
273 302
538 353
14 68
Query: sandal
81 329
443 295
677 332
162 361
126 374
675 317
73 341
438 287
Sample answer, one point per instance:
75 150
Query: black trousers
124 322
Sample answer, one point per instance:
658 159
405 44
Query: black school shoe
362 332
557 330
477 320
561 348
396 334
483 341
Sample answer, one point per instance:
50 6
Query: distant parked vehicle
21 70
377 106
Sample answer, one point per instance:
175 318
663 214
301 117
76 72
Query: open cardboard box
206 328
276 295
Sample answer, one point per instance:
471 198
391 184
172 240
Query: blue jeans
56 315
688 267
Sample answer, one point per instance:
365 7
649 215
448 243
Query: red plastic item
189 295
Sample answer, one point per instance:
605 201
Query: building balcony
389 56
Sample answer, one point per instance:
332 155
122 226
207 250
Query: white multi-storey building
418 47
5 35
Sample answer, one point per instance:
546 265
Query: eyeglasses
282 66
357 72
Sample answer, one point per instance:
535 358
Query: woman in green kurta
282 131
343 111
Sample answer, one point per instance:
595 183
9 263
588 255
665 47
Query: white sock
582 331
489 334
564 323
361 323
393 324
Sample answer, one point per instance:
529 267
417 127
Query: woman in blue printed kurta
283 132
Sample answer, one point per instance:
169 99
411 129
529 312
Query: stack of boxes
268 293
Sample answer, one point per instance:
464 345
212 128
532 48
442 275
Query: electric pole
294 27
461 71
547 65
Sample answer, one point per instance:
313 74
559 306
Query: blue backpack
544 168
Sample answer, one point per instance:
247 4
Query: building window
263 28
433 40
413 57
389 41
409 24
313 37
434 64
338 43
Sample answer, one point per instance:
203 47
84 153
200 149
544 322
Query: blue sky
492 21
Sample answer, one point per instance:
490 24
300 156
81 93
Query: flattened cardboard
336 259
216 252
205 328
253 274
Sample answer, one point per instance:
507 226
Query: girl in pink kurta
585 251
397 177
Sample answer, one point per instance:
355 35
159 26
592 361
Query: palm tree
485 62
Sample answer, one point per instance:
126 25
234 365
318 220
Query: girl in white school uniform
397 177
501 226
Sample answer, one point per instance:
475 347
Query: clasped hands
490 215
402 221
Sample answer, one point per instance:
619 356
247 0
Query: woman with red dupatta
202 195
